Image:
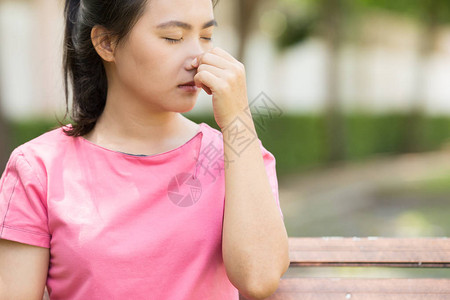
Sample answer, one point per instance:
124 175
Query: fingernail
194 62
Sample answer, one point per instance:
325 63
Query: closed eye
173 41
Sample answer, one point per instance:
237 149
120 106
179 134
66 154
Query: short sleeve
23 209
269 162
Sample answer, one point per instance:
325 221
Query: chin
186 107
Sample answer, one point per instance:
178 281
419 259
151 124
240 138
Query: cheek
143 62
155 59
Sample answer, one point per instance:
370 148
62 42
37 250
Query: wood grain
367 289
394 252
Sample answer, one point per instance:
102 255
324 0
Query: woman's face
156 58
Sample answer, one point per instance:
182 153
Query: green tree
332 14
4 134
326 18
431 14
333 20
246 14
4 140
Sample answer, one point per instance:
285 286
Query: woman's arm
23 271
255 245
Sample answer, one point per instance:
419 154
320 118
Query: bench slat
414 252
379 252
367 289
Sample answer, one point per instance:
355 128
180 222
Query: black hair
82 66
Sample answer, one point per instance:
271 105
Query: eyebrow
184 25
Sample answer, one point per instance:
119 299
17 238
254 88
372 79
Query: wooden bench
365 254
320 253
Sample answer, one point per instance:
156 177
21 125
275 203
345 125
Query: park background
351 96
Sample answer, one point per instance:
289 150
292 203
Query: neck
128 127
124 122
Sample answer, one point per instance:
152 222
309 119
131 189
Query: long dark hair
82 66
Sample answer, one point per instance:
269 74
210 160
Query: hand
223 77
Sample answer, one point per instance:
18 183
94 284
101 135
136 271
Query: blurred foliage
304 18
413 8
25 130
299 141
297 30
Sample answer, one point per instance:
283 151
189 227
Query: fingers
203 79
221 73
208 81
206 89
222 53
217 57
217 70
213 60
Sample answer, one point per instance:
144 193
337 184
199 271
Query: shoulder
44 145
210 132
41 151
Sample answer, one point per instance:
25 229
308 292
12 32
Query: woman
133 200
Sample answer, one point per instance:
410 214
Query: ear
103 43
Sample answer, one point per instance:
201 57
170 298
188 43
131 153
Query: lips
190 83
188 87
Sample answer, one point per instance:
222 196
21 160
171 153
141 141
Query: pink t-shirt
121 226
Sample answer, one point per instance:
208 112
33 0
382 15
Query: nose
195 49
